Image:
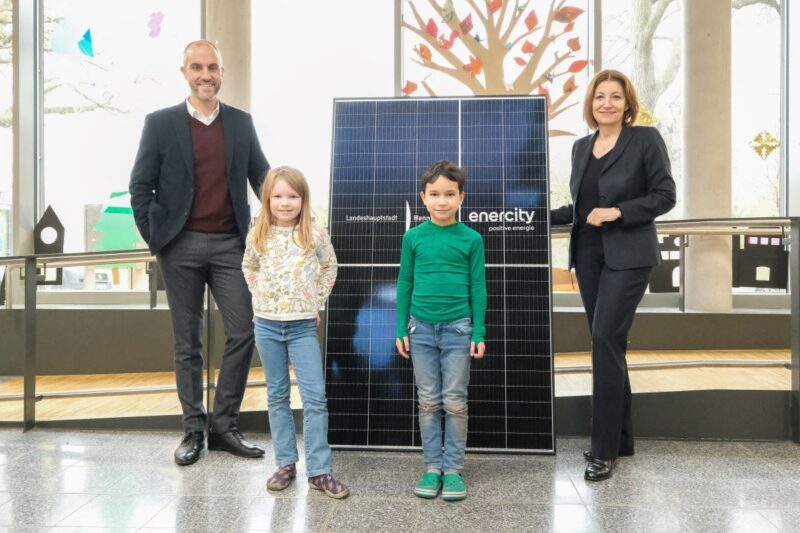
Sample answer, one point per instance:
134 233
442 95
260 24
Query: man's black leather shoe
587 454
233 442
598 470
189 450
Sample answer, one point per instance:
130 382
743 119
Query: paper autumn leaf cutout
432 28
528 47
155 23
448 11
521 7
424 52
569 27
574 44
577 66
86 45
474 66
567 14
531 21
466 24
570 85
521 62
409 88
494 5
545 92
448 43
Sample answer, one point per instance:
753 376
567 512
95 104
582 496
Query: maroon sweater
212 209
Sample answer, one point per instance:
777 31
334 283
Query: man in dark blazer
189 197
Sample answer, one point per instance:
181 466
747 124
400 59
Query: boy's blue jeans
440 355
279 342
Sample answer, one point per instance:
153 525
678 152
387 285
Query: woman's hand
601 215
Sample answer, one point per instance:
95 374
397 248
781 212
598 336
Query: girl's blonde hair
263 225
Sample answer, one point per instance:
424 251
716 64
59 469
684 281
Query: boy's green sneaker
453 488
428 485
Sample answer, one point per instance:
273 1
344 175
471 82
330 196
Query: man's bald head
200 43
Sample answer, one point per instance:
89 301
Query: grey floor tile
14 477
694 467
472 514
783 519
634 492
227 461
744 494
214 513
6 497
161 456
361 515
88 529
531 483
697 448
19 528
636 519
669 519
555 518
279 515
116 511
219 482
10 455
41 510
397 483
124 479
726 520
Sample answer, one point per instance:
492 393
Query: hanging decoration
764 143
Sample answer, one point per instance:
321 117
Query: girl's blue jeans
440 356
280 342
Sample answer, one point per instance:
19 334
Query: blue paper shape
85 44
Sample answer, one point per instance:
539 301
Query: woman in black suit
620 182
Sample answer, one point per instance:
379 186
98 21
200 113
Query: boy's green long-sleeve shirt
442 277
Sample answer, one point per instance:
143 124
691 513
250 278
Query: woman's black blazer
637 179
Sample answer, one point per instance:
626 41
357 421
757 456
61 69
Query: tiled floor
121 481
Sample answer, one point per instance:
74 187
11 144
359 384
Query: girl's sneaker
329 485
453 487
428 485
282 477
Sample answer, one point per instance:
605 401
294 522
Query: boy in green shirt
441 307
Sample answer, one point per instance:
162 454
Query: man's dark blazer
162 179
637 179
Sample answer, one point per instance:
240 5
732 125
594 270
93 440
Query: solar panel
381 147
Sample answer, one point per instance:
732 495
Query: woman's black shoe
598 470
587 454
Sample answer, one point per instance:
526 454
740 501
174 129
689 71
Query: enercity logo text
515 215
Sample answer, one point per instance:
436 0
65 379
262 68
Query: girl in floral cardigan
290 267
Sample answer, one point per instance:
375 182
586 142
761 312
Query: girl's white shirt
287 283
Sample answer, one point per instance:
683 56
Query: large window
6 119
106 65
305 54
756 109
642 39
